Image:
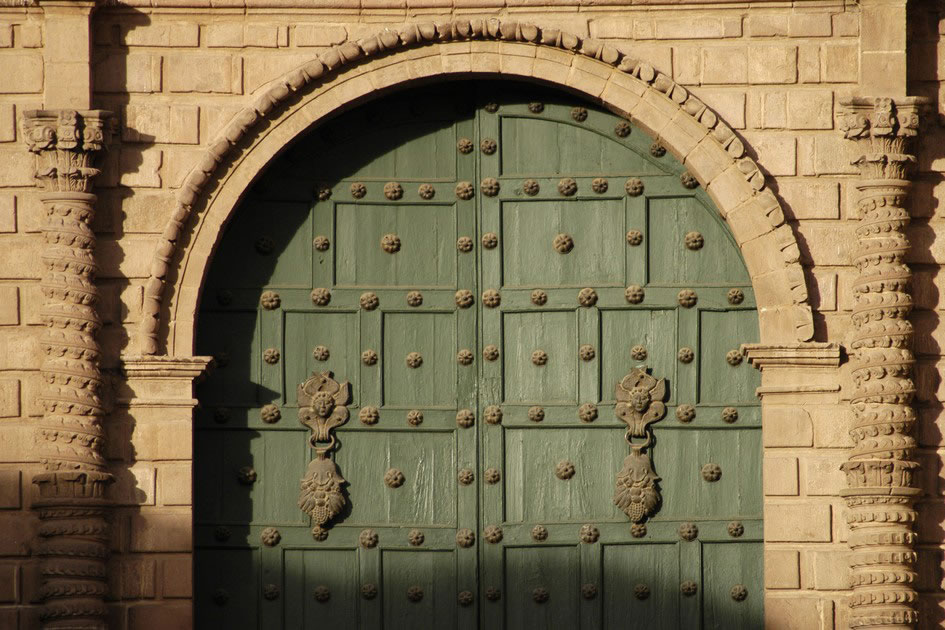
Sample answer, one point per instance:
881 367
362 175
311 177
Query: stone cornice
811 354
151 366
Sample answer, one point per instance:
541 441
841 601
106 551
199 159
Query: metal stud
540 595
490 353
491 107
246 475
638 353
415 537
539 297
321 593
390 243
464 244
587 297
685 413
224 297
414 417
589 534
270 536
368 538
688 181
634 237
369 415
493 414
270 414
688 588
599 185
270 592
688 531
464 298
587 412
634 186
638 530
220 597
271 356
736 296
393 191
567 186
465 537
491 298
321 296
493 594
589 591
492 476
466 476
415 593
530 187
465 190
641 591
414 360
490 240
563 243
685 355
657 150
426 191
733 357
711 472
579 113
736 529
369 301
321 243
358 190
729 415
270 300
368 591
540 533
739 592
221 415
564 470
465 418
622 129
536 414
489 186
492 534
465 146
264 245
320 534
634 294
221 533
488 146
539 357
586 352
465 598
694 240
320 353
464 357
414 298
687 298
323 192
536 108
369 357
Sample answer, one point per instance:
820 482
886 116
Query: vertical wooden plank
641 585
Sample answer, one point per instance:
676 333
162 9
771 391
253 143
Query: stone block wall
175 76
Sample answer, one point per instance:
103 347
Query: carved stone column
73 533
881 491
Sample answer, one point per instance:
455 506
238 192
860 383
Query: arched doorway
484 264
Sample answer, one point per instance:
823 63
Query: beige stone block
708 160
262 35
687 65
810 613
822 475
839 63
833 155
773 109
777 153
146 211
161 530
178 124
797 522
18 167
7 122
780 476
215 119
831 569
782 569
659 56
6 35
846 24
729 189
611 28
163 440
7 212
766 25
141 167
772 64
134 486
128 258
810 25
19 349
19 439
160 616
318 34
178 164
810 109
11 490
807 198
828 243
704 27
261 69
176 35
134 72
808 63
9 305
9 397
175 484
823 297
786 427
729 105
177 577
28 35
21 73
884 72
224 35
204 73
19 533
32 384
137 576
725 65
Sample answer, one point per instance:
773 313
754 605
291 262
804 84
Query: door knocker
322 408
639 404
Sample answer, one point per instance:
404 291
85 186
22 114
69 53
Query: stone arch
352 72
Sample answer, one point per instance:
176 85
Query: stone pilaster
73 533
880 470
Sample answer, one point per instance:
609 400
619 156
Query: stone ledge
811 354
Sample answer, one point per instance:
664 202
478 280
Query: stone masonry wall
175 76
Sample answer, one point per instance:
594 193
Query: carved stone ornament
322 408
639 404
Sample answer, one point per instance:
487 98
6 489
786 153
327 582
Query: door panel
483 327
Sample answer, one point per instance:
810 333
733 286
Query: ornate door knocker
322 408
639 404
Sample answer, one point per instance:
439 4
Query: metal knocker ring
628 436
322 450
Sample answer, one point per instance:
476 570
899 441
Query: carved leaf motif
321 496
637 493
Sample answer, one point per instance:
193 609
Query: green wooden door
484 264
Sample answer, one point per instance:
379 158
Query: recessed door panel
543 587
419 359
641 586
540 357
327 584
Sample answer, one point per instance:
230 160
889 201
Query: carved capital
884 129
66 143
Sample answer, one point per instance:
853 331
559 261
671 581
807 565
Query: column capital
66 142
883 116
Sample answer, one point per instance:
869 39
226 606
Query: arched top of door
353 72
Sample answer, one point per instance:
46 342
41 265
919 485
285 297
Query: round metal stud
493 594
358 190
589 534
488 146
270 536
319 533
540 595
579 113
490 353
369 415
464 244
493 534
489 187
323 192
490 240
638 353
221 533
271 356
587 412
464 145
687 298
415 417
464 357
415 593
638 530
491 107
685 355
711 472
264 245
465 190
587 297
368 591
539 533
688 180
493 414
390 243
321 594
270 300
270 414
736 529
536 108
393 191
641 591
369 301
491 298
733 357
634 237
369 357
270 592
246 475
539 297
414 298
634 186
426 191
563 243
634 294
536 414
622 129
464 298
415 537
321 296
492 476
564 470
320 353
321 243
530 187
465 418
694 240
599 185
739 592
224 297
465 598
466 476
220 597
414 360
567 186
729 415
539 357
587 353
688 531
657 150
589 591
685 413
735 296
689 588
368 538
221 415
465 537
